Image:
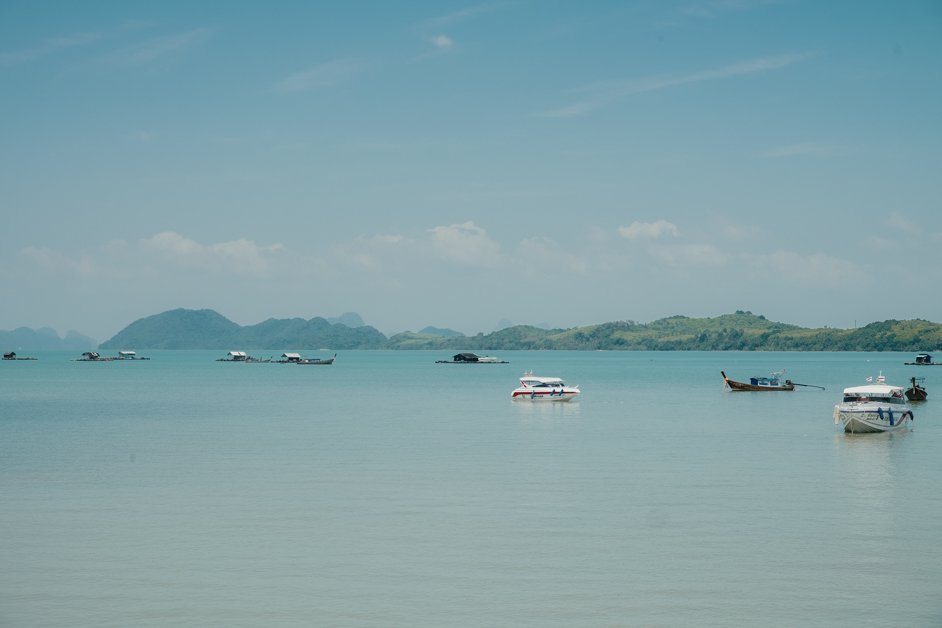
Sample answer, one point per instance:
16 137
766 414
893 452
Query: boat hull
529 394
871 420
735 386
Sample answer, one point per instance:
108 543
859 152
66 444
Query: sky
457 164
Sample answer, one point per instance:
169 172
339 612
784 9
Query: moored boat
916 392
471 358
93 356
129 355
11 355
324 361
756 384
923 359
241 356
878 407
535 388
295 358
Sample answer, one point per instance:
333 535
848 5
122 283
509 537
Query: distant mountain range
741 331
207 329
44 339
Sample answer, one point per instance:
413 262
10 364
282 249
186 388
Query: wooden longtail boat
757 384
916 392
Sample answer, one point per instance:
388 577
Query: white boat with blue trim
535 388
878 407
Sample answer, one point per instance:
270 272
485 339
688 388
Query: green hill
740 331
207 329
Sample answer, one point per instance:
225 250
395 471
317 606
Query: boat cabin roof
128 353
466 357
873 390
237 354
533 380
291 356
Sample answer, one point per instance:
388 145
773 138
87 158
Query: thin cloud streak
649 230
605 93
714 8
457 16
322 75
158 48
46 48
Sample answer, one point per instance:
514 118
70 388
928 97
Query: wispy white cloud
241 257
153 255
690 255
47 47
714 8
57 262
105 261
322 75
649 230
545 252
458 16
373 253
465 244
816 269
735 231
604 93
878 243
902 223
442 41
158 48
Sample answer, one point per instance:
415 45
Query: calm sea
387 490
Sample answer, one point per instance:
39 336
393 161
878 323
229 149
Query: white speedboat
877 407
535 388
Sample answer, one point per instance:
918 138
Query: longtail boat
756 384
916 392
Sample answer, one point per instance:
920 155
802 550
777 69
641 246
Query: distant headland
44 339
740 331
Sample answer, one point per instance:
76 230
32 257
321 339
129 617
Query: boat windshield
854 398
538 383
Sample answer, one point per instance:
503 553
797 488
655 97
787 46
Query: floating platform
471 358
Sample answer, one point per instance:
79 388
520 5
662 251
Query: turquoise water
386 490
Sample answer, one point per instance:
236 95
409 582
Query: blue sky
455 164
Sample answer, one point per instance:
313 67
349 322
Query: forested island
740 331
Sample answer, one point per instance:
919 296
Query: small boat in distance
329 360
916 392
471 358
773 382
923 359
11 355
241 356
295 358
877 407
129 355
535 388
93 356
